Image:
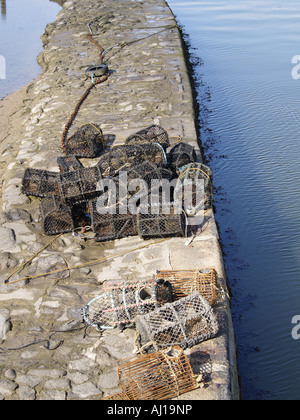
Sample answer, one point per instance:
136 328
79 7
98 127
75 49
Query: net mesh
188 183
121 158
122 301
68 164
40 183
79 186
185 282
152 134
87 142
55 216
108 227
158 224
185 322
181 155
163 375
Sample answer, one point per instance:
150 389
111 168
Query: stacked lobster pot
175 308
170 313
123 194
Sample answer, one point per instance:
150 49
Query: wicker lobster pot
185 322
79 186
109 227
152 134
159 376
181 155
184 282
87 142
158 224
187 184
122 301
40 183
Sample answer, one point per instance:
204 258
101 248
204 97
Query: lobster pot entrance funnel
122 302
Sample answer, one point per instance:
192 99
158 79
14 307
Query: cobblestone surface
45 351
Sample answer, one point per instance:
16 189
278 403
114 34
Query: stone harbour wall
46 352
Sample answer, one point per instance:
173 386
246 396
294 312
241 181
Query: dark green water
249 95
22 22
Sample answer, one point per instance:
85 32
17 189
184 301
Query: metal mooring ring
97 70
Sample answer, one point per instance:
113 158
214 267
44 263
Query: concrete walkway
45 352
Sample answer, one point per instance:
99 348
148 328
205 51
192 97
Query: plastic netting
161 222
40 183
87 142
185 282
181 155
185 322
122 301
194 188
162 375
152 134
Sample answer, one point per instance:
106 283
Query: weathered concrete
45 353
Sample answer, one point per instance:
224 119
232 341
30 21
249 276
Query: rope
80 102
100 260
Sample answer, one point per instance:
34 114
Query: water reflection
3 9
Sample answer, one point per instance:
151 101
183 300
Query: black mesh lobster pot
194 188
150 173
182 154
109 227
159 224
55 216
79 186
87 142
68 164
152 134
121 158
185 323
40 183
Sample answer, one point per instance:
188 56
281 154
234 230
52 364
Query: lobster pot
194 188
40 183
185 323
109 227
87 142
163 375
157 224
181 155
55 216
148 171
79 186
68 164
122 158
185 282
152 134
122 302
